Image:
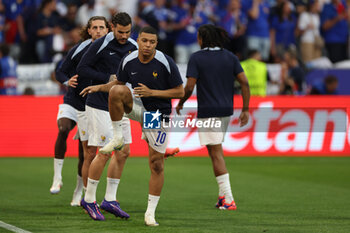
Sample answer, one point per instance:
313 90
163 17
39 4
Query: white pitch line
12 228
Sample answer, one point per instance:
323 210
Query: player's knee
157 165
90 155
88 159
104 157
63 131
126 150
215 150
124 153
116 91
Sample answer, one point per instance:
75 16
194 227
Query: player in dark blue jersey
99 64
213 69
155 79
71 112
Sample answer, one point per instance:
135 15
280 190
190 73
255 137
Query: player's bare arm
100 88
191 83
243 81
173 93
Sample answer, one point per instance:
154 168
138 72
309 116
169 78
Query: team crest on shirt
61 112
129 51
83 132
155 74
103 138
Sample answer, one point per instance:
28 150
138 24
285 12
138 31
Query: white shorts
156 138
213 136
67 111
82 125
100 128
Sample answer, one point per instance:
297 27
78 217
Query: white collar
212 49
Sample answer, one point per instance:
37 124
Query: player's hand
142 91
73 81
243 118
178 108
89 90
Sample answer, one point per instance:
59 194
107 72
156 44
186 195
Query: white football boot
56 186
76 197
150 221
114 144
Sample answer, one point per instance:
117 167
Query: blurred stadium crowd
291 33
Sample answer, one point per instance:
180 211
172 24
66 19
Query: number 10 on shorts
161 137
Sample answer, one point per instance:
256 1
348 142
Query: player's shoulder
78 48
198 53
164 59
130 57
103 42
133 42
230 54
203 53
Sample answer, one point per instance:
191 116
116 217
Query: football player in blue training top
72 111
214 69
99 64
155 80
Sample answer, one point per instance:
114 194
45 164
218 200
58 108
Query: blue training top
161 73
214 69
67 69
99 62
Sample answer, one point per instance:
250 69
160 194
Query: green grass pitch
273 194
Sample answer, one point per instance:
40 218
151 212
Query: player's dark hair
4 49
212 36
150 30
121 18
84 31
